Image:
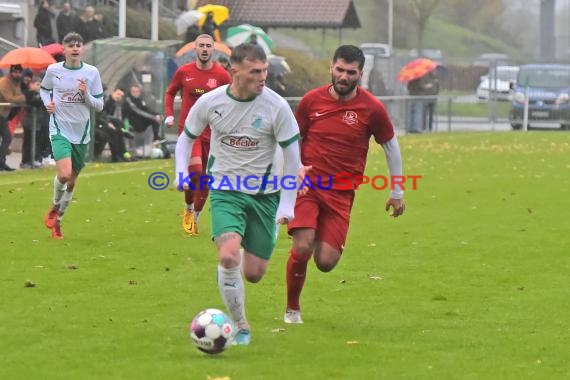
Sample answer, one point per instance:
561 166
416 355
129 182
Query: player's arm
287 134
170 94
195 123
291 164
384 134
46 91
92 89
394 160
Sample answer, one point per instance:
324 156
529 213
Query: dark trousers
155 129
28 157
6 138
114 137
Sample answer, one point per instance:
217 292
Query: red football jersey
194 83
335 135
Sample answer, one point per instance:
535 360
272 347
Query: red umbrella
28 57
53 49
416 69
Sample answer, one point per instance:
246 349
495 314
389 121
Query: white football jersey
71 118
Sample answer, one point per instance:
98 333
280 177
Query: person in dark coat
42 23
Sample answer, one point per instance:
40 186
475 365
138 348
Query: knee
325 265
304 247
65 178
229 260
254 277
326 261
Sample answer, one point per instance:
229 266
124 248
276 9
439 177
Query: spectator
139 114
42 23
210 26
10 92
36 120
192 32
90 27
416 114
431 89
109 128
66 21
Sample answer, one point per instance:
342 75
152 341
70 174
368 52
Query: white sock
58 189
190 207
231 287
196 216
64 202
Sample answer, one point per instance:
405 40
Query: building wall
15 27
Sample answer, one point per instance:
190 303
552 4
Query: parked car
497 84
433 54
493 59
548 89
376 67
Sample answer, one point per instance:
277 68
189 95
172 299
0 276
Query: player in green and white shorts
248 123
69 91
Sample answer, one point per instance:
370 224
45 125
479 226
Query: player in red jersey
193 80
336 122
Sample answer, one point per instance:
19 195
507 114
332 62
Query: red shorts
325 211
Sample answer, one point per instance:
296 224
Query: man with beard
336 122
194 80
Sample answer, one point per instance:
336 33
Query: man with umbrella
421 80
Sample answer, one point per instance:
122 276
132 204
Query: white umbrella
186 19
245 33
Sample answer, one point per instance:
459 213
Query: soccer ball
212 331
156 153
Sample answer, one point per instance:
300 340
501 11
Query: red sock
296 274
200 197
189 195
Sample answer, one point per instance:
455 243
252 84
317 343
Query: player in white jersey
248 123
69 90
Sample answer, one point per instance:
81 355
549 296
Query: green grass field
471 283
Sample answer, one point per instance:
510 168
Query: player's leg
260 235
77 163
333 228
201 194
61 148
195 166
228 226
302 229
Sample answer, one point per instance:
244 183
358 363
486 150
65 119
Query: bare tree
423 10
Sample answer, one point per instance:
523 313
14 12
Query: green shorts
251 216
62 148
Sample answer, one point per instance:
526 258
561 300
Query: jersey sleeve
286 127
47 81
197 119
380 124
302 116
95 85
171 92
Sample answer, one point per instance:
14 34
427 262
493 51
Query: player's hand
169 121
82 85
158 118
185 186
300 177
398 206
282 220
50 107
